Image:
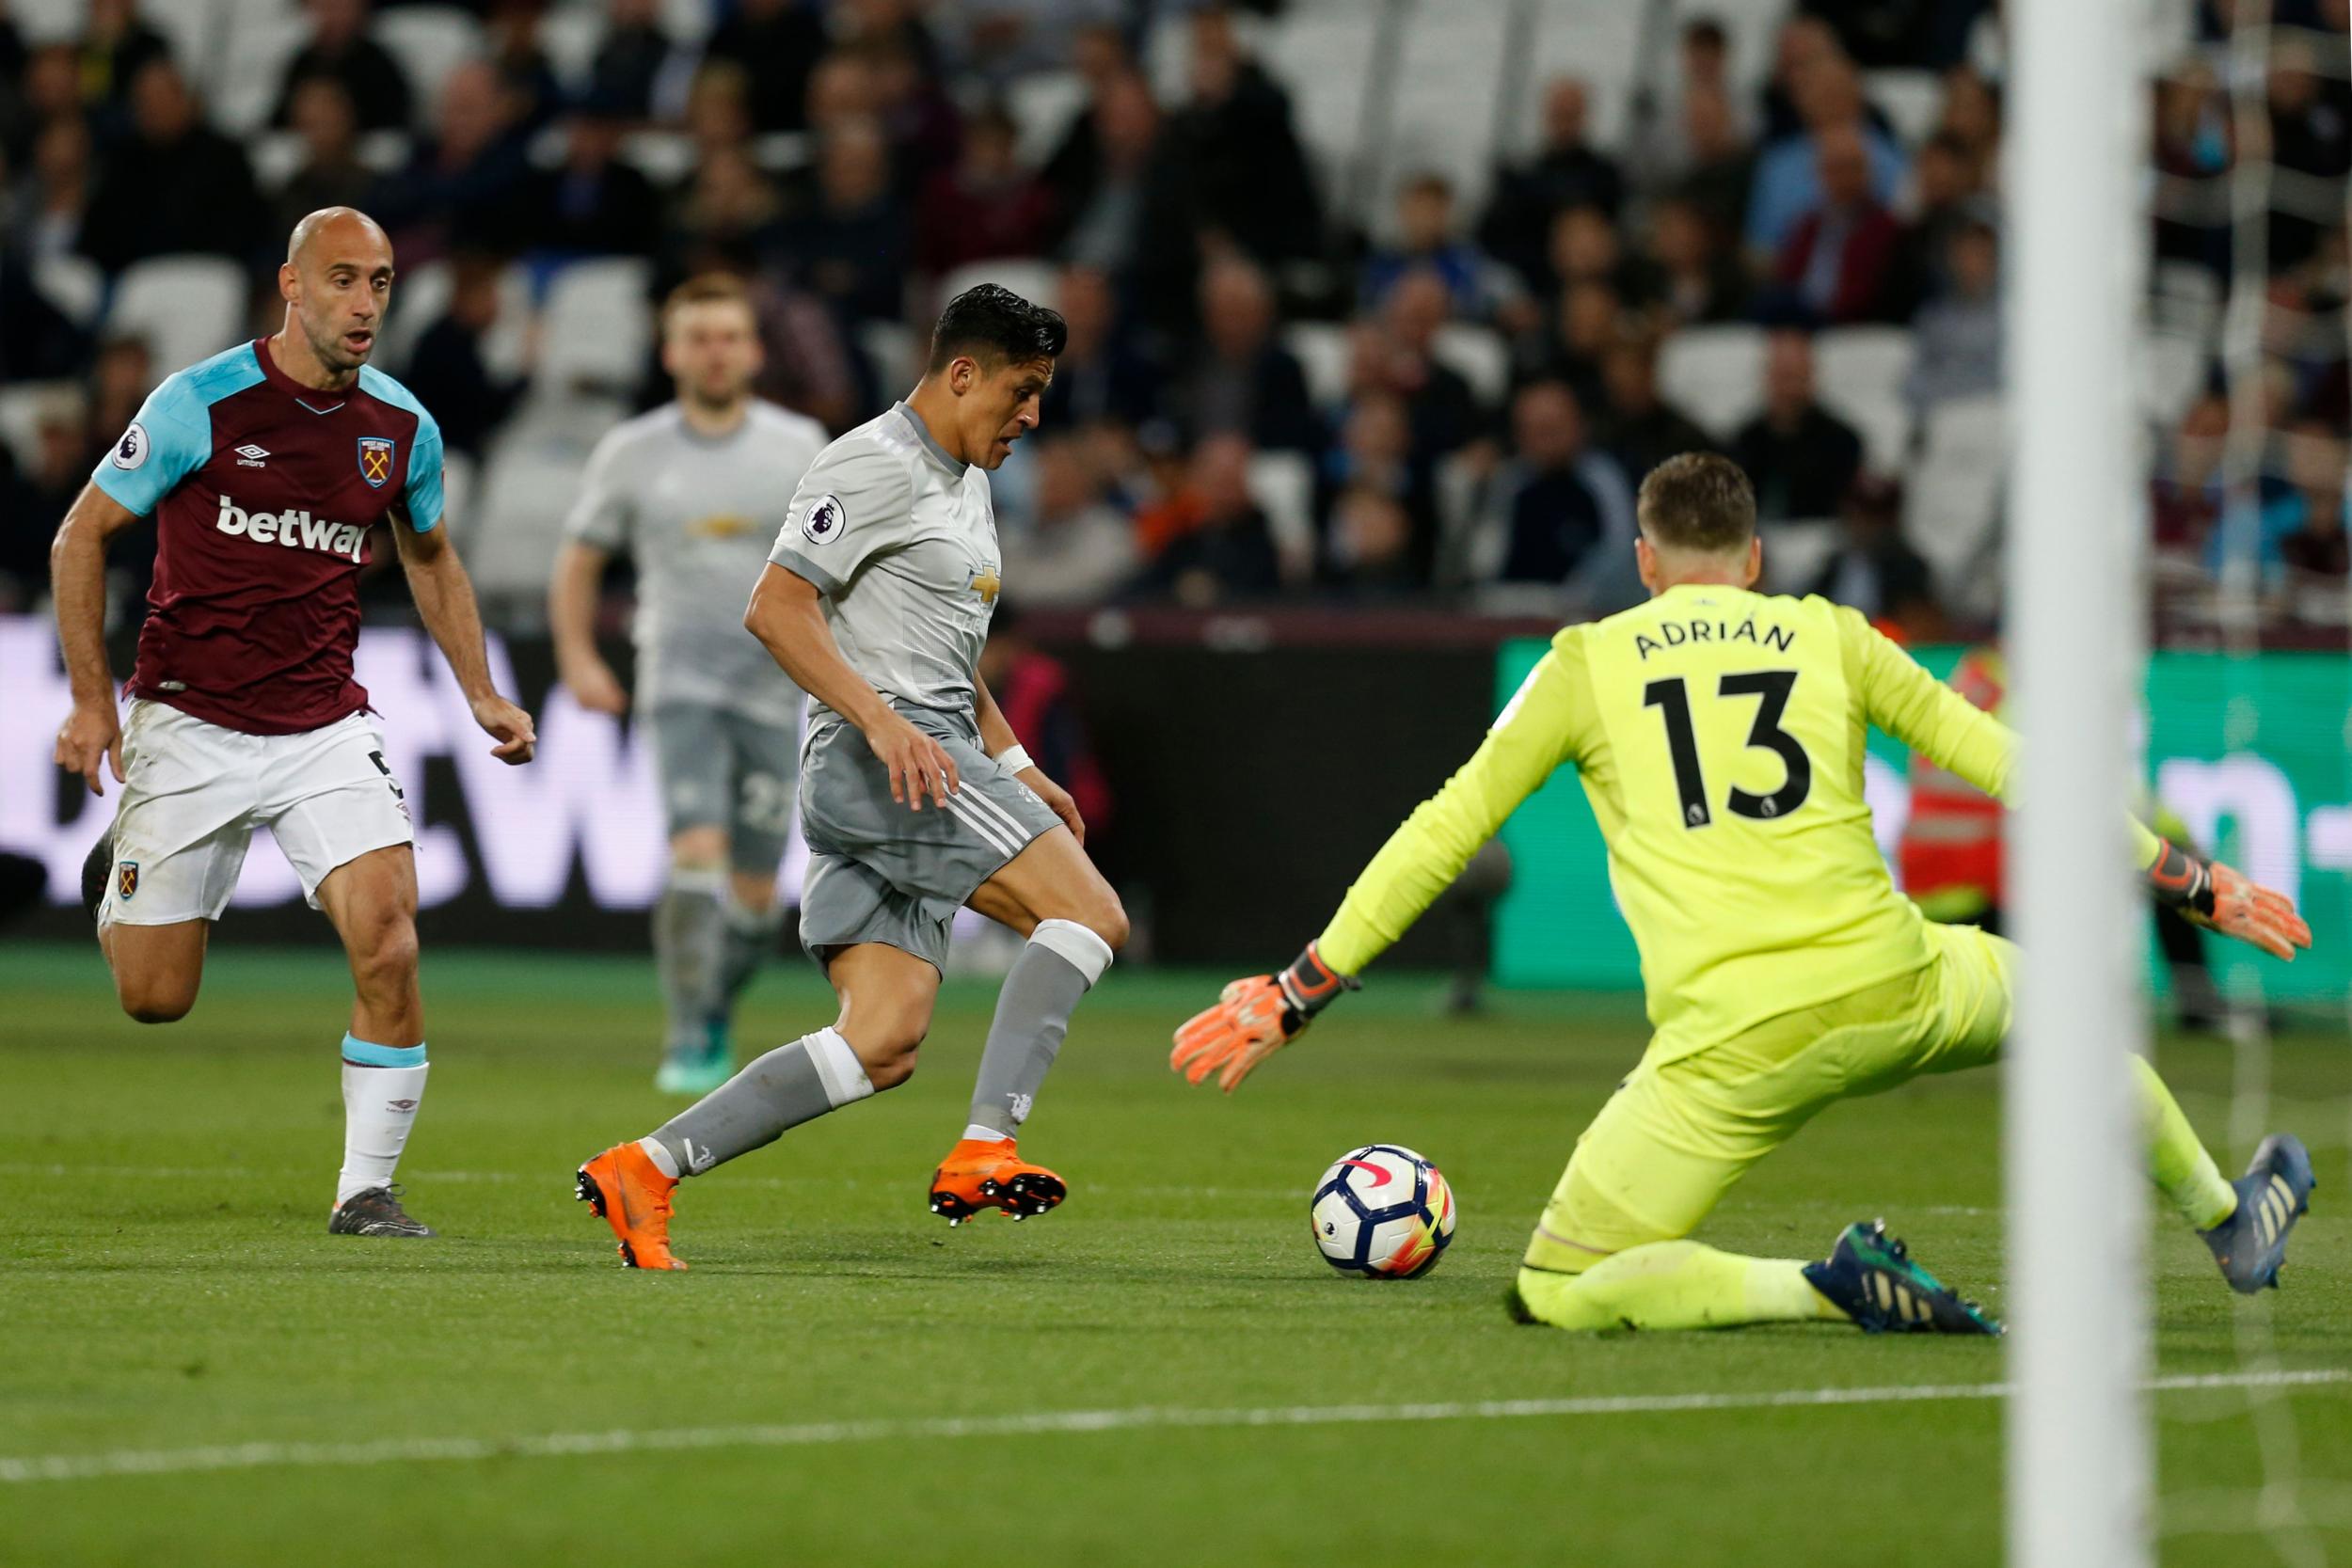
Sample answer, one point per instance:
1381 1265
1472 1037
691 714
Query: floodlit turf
168 1287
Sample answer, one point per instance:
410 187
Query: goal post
2079 1453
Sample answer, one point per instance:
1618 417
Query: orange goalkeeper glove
1253 1018
2214 896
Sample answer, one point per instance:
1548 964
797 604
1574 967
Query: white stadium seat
1951 509
1715 374
664 157
23 405
420 296
1034 281
597 324
1283 485
73 285
240 94
1321 350
1858 374
1912 100
526 487
1042 104
1479 356
893 353
429 41
186 308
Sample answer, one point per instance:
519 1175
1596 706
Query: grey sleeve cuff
800 565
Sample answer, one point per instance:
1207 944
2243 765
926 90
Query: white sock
379 1108
985 1134
663 1160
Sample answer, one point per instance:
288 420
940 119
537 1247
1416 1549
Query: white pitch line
409 1451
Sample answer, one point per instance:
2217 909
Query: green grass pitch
168 1290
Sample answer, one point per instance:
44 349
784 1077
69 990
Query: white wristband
1015 758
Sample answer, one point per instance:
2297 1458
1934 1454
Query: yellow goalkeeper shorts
1675 1137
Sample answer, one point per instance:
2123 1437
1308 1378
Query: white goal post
2079 1454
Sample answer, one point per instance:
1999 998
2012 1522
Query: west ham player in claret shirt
265 467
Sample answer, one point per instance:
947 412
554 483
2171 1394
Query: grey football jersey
696 511
900 539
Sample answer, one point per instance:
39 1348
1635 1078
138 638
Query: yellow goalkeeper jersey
1719 734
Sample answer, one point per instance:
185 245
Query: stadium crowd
1494 375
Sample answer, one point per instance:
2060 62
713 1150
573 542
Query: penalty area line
411 1450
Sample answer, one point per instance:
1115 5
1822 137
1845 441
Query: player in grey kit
695 491
917 799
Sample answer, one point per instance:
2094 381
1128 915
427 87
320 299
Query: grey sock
790 1084
688 945
1033 1011
751 941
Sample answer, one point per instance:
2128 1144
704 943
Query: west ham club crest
375 460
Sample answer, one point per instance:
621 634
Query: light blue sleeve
423 491
171 438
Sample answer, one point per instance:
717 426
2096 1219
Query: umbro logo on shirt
290 526
250 456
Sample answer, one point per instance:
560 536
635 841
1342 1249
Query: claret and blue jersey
263 492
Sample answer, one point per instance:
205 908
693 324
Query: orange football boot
980 1174
629 1192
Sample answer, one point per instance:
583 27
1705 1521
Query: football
1382 1211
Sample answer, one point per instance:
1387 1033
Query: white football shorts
193 793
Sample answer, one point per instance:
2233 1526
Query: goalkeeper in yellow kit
1719 736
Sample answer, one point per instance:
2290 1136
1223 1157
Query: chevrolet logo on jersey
375 460
720 524
987 584
295 527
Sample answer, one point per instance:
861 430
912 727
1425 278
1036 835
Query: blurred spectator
1641 429
1801 458
115 46
341 52
1428 236
1004 39
774 42
11 53
122 374
1558 511
1971 117
1585 322
1803 42
1242 165
852 248
1699 282
2186 490
1374 451
330 174
1720 181
176 186
1886 33
52 202
37 342
1396 353
1222 552
811 365
1033 690
2194 152
2312 538
920 122
1787 176
522 62
986 206
593 203
729 205
1078 550
1100 59
60 467
2311 134
1958 337
1838 263
1121 189
1101 375
1369 556
1241 379
1567 171
1662 151
448 371
1874 569
1587 247
462 185
630 57
47 89
718 116
1945 199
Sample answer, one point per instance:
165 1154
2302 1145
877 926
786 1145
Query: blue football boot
2274 1192
1870 1277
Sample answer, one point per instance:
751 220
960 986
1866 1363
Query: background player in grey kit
916 796
695 491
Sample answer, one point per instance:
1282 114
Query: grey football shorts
878 872
720 768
